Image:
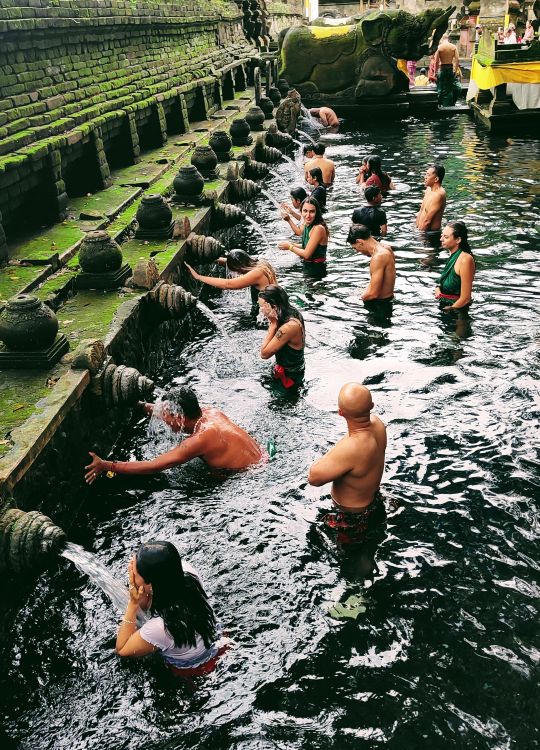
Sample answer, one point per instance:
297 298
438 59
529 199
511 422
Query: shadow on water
443 651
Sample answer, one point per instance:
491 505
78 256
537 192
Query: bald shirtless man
355 465
382 264
429 217
446 62
326 115
326 166
221 443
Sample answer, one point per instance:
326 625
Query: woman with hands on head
285 338
255 273
313 231
182 626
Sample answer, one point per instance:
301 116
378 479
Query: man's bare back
382 263
226 445
326 166
447 54
355 465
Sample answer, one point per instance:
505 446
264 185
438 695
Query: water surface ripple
446 654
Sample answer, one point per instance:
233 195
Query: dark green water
447 653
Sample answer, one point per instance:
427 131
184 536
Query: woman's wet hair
239 261
374 165
185 399
177 596
316 174
278 298
318 213
298 193
358 232
460 232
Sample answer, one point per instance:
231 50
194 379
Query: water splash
260 230
213 318
162 437
280 179
295 165
307 135
312 120
101 576
272 199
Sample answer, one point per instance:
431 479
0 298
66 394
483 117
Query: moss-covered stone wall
85 85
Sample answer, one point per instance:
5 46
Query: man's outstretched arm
191 447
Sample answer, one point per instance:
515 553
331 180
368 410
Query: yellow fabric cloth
421 81
488 76
402 65
322 32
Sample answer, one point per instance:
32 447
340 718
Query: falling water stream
443 652
307 135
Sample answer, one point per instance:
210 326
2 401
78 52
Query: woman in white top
182 626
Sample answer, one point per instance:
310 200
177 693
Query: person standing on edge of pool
285 338
313 231
429 217
382 264
355 466
456 280
215 438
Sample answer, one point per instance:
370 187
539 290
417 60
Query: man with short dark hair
382 264
315 179
429 217
372 216
221 443
326 166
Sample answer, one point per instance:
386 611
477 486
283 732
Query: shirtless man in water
213 437
429 217
326 166
382 264
326 115
355 465
447 55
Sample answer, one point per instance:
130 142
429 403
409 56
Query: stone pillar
134 137
103 164
59 196
257 85
218 95
185 113
3 242
268 76
161 122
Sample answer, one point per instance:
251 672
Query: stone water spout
28 541
203 249
277 139
266 154
253 170
119 385
243 190
173 299
225 215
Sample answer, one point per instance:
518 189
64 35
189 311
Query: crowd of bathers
182 626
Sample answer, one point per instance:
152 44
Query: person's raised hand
192 271
284 245
94 469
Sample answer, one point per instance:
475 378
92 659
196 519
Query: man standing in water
355 465
326 166
326 115
429 217
221 443
382 264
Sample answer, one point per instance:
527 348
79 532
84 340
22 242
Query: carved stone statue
288 112
357 59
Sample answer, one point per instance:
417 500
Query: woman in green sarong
456 280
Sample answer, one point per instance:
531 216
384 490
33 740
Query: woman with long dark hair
456 280
371 173
182 626
285 338
255 273
313 231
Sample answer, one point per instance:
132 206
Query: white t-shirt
181 657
